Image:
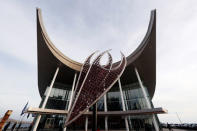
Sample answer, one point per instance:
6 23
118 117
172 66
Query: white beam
123 104
105 109
147 99
72 91
86 123
71 95
46 99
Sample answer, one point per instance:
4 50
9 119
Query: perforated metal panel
94 81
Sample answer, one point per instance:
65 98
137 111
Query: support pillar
72 91
123 105
46 99
147 99
86 124
105 109
126 105
71 95
94 117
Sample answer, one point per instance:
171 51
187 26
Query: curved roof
49 57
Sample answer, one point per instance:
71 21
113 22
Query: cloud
18 35
176 68
78 28
18 81
17 59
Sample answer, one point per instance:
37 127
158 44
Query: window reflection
114 99
134 100
133 96
59 96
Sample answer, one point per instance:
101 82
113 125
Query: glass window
45 93
52 92
55 95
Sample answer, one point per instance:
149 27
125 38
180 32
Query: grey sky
79 27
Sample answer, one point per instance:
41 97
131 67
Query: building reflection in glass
133 97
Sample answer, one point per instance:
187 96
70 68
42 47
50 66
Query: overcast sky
79 27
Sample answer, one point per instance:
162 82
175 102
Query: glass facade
135 100
58 99
133 97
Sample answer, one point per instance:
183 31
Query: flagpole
178 118
21 119
22 113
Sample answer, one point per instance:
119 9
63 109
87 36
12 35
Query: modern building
126 106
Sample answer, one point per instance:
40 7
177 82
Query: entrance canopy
100 113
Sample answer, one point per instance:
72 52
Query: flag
28 115
25 107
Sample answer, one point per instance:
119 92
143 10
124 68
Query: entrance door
49 123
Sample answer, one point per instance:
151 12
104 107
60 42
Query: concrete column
71 95
123 104
127 108
147 99
72 91
105 109
86 124
46 99
94 117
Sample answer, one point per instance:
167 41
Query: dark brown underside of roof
49 58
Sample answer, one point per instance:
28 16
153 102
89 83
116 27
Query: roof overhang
49 58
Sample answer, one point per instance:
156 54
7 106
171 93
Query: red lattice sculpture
94 81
